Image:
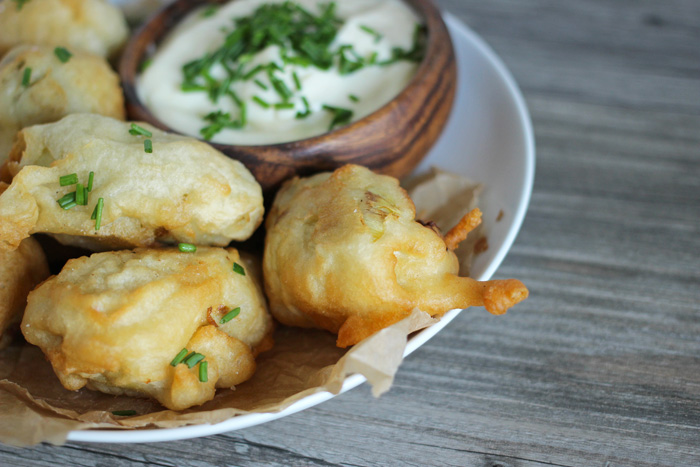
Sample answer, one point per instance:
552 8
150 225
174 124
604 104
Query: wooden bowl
392 140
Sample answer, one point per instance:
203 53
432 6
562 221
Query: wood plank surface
601 365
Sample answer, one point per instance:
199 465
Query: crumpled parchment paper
35 408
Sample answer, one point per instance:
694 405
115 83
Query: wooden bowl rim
437 36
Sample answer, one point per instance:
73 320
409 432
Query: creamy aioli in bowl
285 91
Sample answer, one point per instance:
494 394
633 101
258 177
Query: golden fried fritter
115 321
36 87
20 271
184 191
344 253
88 25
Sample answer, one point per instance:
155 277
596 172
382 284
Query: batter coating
344 253
20 271
114 322
53 89
184 191
88 25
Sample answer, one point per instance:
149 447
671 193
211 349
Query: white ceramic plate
489 139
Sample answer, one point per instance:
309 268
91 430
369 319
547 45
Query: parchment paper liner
35 408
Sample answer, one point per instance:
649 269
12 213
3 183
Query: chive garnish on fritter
98 213
179 357
26 77
230 315
204 372
70 179
193 359
237 268
62 54
187 247
137 130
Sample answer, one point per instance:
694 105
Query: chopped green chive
261 85
219 120
91 178
190 87
26 77
230 315
179 357
354 98
301 61
245 58
98 213
62 54
145 64
258 100
20 3
297 81
243 109
67 198
349 64
284 105
148 146
373 32
189 355
279 86
69 205
193 359
66 180
237 268
68 201
253 72
209 11
341 116
307 109
417 51
80 198
274 66
203 372
139 130
187 248
124 413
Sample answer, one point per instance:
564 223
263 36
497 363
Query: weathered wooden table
601 366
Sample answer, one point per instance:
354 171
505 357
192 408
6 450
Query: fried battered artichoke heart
344 253
88 25
20 271
184 191
52 90
114 322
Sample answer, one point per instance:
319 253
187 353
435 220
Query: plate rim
456 26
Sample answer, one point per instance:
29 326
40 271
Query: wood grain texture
392 140
601 365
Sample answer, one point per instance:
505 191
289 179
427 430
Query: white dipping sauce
159 86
